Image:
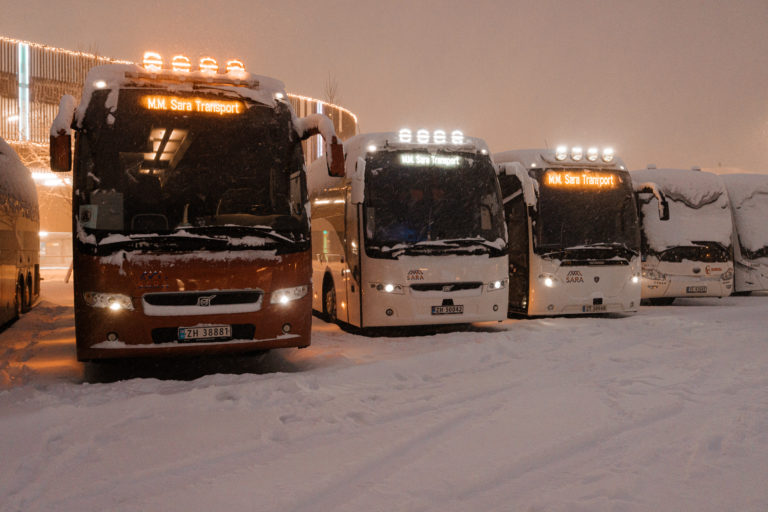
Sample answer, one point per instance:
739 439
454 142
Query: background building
33 78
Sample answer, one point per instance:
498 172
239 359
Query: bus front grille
205 302
446 287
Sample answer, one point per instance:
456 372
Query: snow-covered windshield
749 202
589 209
437 202
205 165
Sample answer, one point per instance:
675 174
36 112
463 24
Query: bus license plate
594 308
208 332
448 310
696 289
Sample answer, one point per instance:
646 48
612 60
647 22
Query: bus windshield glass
205 165
586 209
439 200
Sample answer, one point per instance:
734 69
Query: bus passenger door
352 248
516 214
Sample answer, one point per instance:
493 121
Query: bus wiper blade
609 245
155 241
224 231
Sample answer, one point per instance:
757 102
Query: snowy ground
666 410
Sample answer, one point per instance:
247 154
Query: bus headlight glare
608 155
561 153
388 288
548 280
112 301
286 295
497 285
635 279
592 154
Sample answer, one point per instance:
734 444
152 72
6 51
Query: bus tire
329 300
28 299
18 300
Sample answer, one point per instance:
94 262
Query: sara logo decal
709 269
574 276
415 275
205 301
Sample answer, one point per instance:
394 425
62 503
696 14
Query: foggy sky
675 83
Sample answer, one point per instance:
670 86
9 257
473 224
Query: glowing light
608 155
153 61
199 105
389 288
372 148
279 95
99 84
561 153
209 65
115 306
405 135
457 137
283 299
584 179
181 63
422 136
43 234
235 66
423 159
439 137
593 154
497 284
12 119
577 153
548 282
635 279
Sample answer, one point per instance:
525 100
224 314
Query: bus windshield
439 200
584 209
228 167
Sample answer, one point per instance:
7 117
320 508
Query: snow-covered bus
413 235
748 194
19 237
191 228
691 254
574 239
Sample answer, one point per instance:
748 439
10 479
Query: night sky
675 83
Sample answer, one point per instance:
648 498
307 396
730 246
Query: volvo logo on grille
448 288
205 301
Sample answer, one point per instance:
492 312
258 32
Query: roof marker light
209 65
99 84
577 153
181 63
439 137
405 135
153 61
561 153
279 95
235 66
372 148
422 136
608 155
457 137
593 154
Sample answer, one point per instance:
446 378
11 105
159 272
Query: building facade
33 78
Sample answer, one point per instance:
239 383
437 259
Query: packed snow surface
749 200
666 410
698 208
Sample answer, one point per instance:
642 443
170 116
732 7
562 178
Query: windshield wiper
224 231
610 245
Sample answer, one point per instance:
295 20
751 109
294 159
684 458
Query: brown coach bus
19 237
190 218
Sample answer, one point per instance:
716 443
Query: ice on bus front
190 211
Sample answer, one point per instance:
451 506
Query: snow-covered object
62 124
698 208
530 186
748 194
113 77
545 158
16 181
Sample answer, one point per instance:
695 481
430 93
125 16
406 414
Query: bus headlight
389 288
548 279
113 301
286 295
497 285
635 278
727 275
654 275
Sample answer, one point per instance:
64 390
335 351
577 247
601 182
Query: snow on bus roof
113 76
698 208
749 202
15 179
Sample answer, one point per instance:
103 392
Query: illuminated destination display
583 179
422 159
196 105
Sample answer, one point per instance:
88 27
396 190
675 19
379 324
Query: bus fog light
286 295
286 328
497 285
389 312
113 301
389 288
635 279
548 279
112 336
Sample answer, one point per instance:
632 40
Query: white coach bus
691 254
748 194
574 239
413 235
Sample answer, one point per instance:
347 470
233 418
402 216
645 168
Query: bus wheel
329 301
19 300
26 305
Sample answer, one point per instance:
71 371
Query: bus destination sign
193 105
583 179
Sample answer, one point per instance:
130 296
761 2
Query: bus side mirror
663 210
358 182
336 167
61 153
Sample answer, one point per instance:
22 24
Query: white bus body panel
582 289
687 279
